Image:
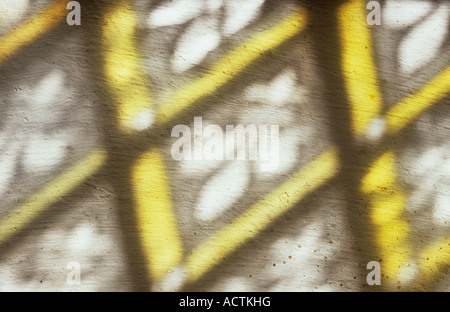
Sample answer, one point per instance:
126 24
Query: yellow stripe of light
22 215
156 220
232 64
387 205
359 70
123 70
261 214
409 108
31 29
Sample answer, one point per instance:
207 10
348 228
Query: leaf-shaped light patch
43 152
213 5
222 190
201 37
239 13
441 212
40 99
424 41
174 13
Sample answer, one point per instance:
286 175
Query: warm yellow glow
123 70
232 64
156 220
358 67
435 257
32 29
409 108
261 214
22 215
381 175
387 205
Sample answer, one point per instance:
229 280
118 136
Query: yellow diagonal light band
434 258
387 205
22 215
232 64
261 214
32 29
123 70
358 67
409 108
157 225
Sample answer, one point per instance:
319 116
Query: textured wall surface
118 171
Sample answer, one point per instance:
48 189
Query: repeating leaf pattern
36 150
206 29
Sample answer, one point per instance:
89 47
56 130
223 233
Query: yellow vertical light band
123 70
32 29
22 215
232 64
358 68
156 220
261 214
387 205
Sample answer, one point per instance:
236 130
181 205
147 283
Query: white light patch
424 41
174 13
12 12
197 41
222 191
49 89
239 13
304 258
429 161
172 281
287 153
7 166
277 93
376 129
237 284
213 5
408 272
143 120
43 153
441 211
403 13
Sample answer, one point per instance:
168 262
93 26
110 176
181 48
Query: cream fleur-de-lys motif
204 26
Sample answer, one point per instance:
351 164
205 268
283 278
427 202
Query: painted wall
208 145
